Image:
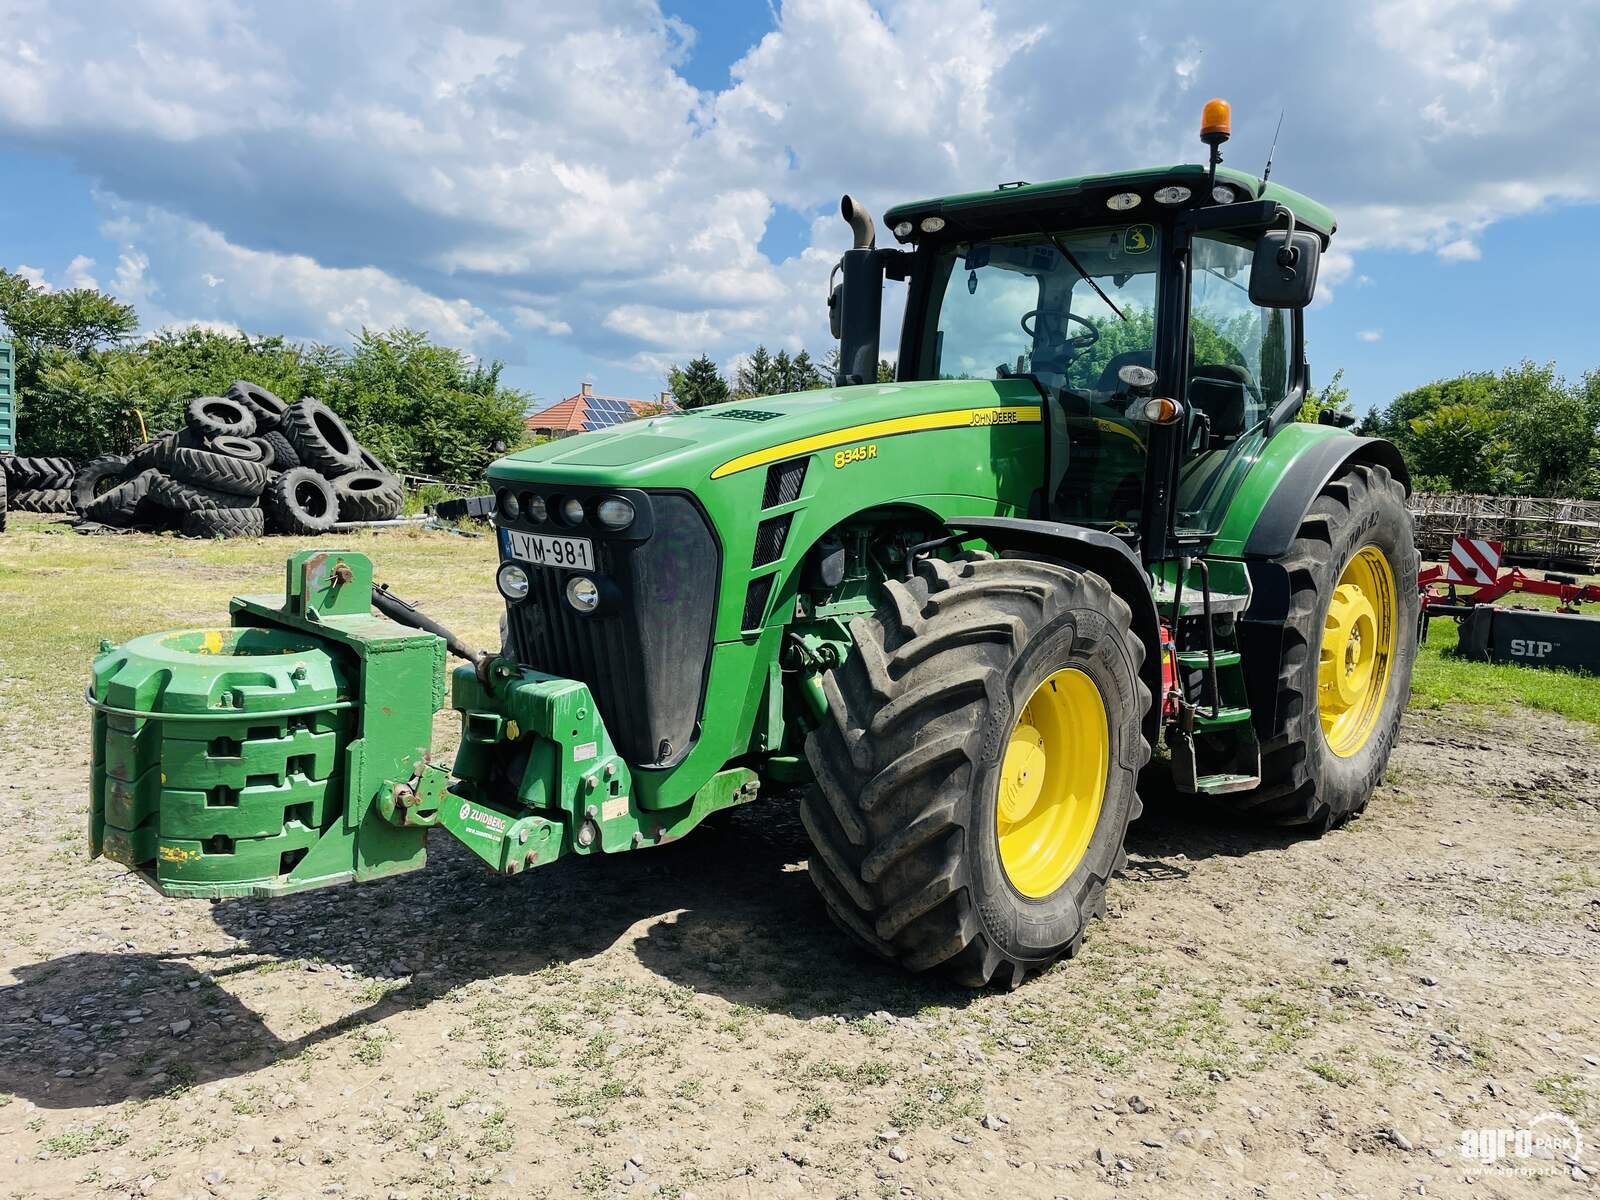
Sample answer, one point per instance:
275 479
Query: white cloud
1369 335
547 168
531 318
287 292
78 276
1460 250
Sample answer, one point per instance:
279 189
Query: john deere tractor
952 614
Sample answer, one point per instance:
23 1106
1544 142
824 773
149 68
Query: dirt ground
1259 1016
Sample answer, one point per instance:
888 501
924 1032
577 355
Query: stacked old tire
245 463
41 485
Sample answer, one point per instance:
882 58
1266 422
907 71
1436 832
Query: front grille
645 654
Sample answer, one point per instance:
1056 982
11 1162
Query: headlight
572 511
512 581
1123 201
1172 194
507 504
535 507
614 513
1222 194
583 593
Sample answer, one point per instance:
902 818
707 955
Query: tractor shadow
1176 831
728 912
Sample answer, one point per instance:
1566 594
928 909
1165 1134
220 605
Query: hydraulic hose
399 610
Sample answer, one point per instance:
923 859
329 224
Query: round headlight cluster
615 513
512 581
583 593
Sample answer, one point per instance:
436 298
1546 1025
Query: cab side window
1238 353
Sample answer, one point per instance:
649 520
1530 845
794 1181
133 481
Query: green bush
421 408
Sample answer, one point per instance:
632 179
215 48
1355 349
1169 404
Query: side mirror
1284 272
835 318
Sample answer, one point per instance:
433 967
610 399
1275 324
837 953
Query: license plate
544 551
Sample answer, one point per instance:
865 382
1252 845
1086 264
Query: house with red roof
586 412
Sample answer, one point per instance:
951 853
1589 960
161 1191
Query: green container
8 399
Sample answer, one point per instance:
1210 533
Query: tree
52 327
758 375
422 408
1462 448
697 384
74 321
805 375
1394 421
1334 396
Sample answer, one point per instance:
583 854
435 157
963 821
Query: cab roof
1085 195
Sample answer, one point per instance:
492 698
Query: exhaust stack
858 300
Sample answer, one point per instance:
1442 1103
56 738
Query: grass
85 1140
61 592
1442 678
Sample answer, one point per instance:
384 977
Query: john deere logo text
994 416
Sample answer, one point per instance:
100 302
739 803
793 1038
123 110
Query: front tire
976 773
1350 643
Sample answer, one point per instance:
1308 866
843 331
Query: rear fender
1261 526
1295 465
1088 550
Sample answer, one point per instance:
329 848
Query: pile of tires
245 463
41 485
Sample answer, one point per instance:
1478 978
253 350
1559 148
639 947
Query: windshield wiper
1082 274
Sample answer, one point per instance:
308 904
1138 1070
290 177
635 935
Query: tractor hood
686 449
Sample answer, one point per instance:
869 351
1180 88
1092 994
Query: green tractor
953 613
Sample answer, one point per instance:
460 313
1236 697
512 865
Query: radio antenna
1266 171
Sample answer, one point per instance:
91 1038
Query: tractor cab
1156 312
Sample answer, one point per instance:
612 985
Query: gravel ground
1259 1016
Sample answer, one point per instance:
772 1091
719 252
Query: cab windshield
1069 311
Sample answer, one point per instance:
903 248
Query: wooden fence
1534 531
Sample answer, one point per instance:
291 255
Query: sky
595 191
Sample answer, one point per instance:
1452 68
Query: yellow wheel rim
1052 783
1358 638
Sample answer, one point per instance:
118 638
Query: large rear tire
976 773
1350 642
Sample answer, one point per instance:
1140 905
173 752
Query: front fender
1089 550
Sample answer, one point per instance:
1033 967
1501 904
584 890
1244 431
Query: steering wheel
1072 344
